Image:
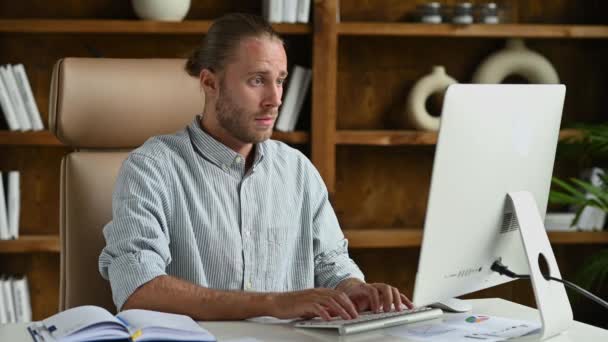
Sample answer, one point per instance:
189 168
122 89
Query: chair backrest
103 108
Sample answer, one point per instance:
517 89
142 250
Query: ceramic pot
164 10
516 59
435 82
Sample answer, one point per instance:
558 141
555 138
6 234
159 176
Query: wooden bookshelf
46 138
473 31
358 238
125 26
31 244
405 137
409 237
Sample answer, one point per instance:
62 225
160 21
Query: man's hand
322 302
374 296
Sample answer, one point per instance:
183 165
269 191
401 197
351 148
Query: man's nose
273 96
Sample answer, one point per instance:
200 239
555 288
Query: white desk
284 332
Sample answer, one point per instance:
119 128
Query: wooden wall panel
382 187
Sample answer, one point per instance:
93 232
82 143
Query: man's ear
209 82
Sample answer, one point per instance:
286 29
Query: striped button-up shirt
185 206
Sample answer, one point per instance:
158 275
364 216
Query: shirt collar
216 152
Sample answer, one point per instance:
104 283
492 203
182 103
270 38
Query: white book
13 92
14 203
3 316
275 11
4 233
7 292
288 108
304 85
21 298
89 323
7 106
290 11
28 97
592 218
303 11
560 222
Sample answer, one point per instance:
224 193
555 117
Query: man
216 221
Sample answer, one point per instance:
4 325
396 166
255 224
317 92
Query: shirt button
248 286
225 167
238 159
247 233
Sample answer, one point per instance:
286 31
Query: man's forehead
261 52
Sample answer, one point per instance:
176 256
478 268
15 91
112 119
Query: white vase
435 82
516 59
164 10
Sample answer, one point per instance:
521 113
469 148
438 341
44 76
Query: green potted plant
591 143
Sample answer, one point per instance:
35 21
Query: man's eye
257 81
281 81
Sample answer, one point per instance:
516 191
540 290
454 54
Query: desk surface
226 331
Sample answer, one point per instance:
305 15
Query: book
13 199
4 232
7 294
592 218
290 11
303 11
273 10
299 82
28 97
88 323
21 299
15 97
7 106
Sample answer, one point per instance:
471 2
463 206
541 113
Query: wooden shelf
474 30
409 237
385 137
30 244
297 137
125 26
46 138
404 137
29 138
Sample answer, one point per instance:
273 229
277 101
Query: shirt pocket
280 256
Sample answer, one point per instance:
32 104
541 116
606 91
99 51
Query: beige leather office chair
103 108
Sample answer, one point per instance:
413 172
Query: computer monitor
493 140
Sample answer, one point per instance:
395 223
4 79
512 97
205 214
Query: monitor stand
453 305
551 299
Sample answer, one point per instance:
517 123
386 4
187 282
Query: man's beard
236 120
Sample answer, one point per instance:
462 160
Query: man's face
251 88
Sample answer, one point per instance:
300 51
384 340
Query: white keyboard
369 320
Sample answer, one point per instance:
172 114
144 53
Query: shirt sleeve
137 238
332 262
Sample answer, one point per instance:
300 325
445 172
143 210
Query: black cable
498 267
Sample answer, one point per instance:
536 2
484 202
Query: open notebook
88 323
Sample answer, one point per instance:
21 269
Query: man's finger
321 312
387 297
407 301
374 298
396 298
337 308
347 304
